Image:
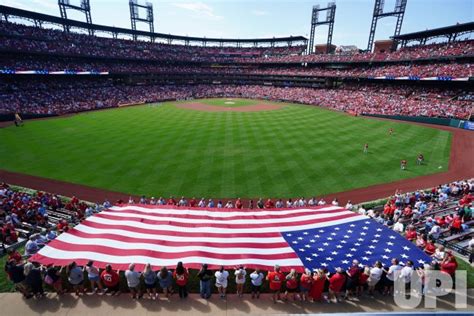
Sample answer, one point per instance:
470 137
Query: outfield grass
163 150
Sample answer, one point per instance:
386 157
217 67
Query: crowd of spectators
419 52
17 37
30 214
41 64
402 212
65 96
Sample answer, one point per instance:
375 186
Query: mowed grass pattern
163 150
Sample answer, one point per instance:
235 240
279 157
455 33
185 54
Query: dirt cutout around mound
215 108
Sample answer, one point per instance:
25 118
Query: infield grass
164 150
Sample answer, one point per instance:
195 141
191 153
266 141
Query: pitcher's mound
213 108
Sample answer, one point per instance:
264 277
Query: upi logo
410 289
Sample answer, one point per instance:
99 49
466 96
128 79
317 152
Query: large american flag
327 236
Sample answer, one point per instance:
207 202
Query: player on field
420 159
403 164
18 120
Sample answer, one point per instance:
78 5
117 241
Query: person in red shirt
275 279
110 279
62 225
363 278
317 286
14 255
410 233
456 225
336 282
305 284
291 284
238 204
407 212
353 274
192 202
449 265
430 248
269 204
171 201
181 275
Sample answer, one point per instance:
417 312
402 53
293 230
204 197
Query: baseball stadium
143 171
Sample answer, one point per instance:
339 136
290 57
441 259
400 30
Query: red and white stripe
162 236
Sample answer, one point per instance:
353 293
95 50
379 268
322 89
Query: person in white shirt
391 274
133 281
362 210
182 202
31 246
312 202
202 203
229 204
240 274
335 202
321 202
279 204
406 272
289 203
349 205
256 278
435 231
439 254
374 276
398 227
221 281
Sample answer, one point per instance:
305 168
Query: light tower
330 16
135 16
84 7
399 12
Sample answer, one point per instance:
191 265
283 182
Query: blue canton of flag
365 240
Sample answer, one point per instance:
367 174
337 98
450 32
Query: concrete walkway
14 304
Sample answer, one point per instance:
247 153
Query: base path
215 108
14 304
461 166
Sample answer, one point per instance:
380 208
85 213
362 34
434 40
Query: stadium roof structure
451 32
40 18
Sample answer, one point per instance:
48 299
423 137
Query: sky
267 18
